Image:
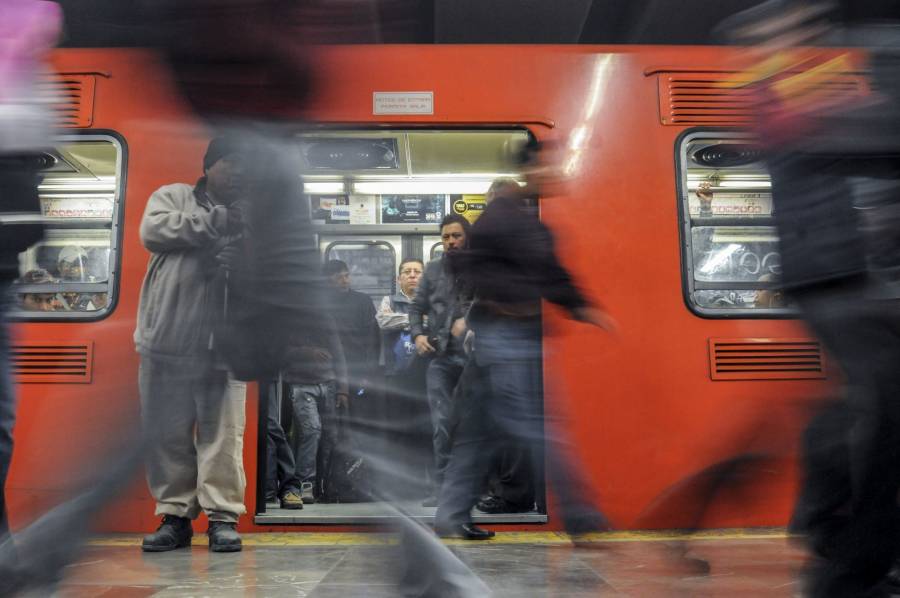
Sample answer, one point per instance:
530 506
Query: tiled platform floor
512 565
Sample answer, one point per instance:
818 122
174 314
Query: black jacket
354 315
440 298
20 210
511 261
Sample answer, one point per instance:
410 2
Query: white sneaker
306 493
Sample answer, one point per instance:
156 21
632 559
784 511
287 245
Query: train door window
436 251
70 273
731 258
372 264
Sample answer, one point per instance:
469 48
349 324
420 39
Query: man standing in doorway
440 305
193 413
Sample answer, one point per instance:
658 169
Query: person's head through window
502 187
454 232
223 168
72 264
409 274
337 274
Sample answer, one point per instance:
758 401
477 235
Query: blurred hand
237 217
343 401
469 342
228 256
423 347
595 317
458 328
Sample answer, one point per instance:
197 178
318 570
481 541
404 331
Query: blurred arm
388 319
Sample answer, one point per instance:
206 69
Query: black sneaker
223 537
174 532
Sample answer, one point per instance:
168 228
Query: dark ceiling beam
509 21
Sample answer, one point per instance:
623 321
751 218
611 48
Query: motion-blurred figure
28 29
834 159
190 231
511 266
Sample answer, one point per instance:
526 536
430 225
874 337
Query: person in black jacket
511 266
439 306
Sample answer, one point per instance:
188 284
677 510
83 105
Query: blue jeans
280 468
441 379
314 419
499 400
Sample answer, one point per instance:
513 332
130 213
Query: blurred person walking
28 30
511 266
834 160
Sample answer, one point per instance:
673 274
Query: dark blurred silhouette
834 159
511 265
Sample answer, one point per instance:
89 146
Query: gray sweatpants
193 416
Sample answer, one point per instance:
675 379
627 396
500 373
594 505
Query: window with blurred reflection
730 251
70 273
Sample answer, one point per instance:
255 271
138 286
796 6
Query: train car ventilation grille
765 359
52 362
712 99
70 97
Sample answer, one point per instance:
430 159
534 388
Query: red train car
706 360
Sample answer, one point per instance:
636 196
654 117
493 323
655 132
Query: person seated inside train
73 265
315 371
407 423
39 301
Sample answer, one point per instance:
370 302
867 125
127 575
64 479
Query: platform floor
512 565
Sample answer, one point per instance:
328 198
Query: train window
70 273
437 250
732 263
372 264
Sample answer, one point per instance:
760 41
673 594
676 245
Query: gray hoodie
179 298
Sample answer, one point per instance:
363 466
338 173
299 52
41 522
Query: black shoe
466 531
496 505
223 537
174 532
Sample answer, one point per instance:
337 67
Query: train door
376 199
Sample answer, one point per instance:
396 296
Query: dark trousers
406 435
500 399
441 379
7 409
280 474
512 478
314 431
848 503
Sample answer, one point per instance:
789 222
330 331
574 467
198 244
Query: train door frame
415 240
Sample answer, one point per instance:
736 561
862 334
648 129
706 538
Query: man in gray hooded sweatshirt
193 413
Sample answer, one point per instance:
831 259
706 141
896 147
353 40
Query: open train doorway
377 199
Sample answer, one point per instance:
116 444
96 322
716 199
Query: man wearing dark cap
193 412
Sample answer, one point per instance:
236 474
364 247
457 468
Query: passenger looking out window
407 420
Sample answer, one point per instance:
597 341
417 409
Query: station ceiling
93 23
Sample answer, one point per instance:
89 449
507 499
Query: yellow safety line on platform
382 539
